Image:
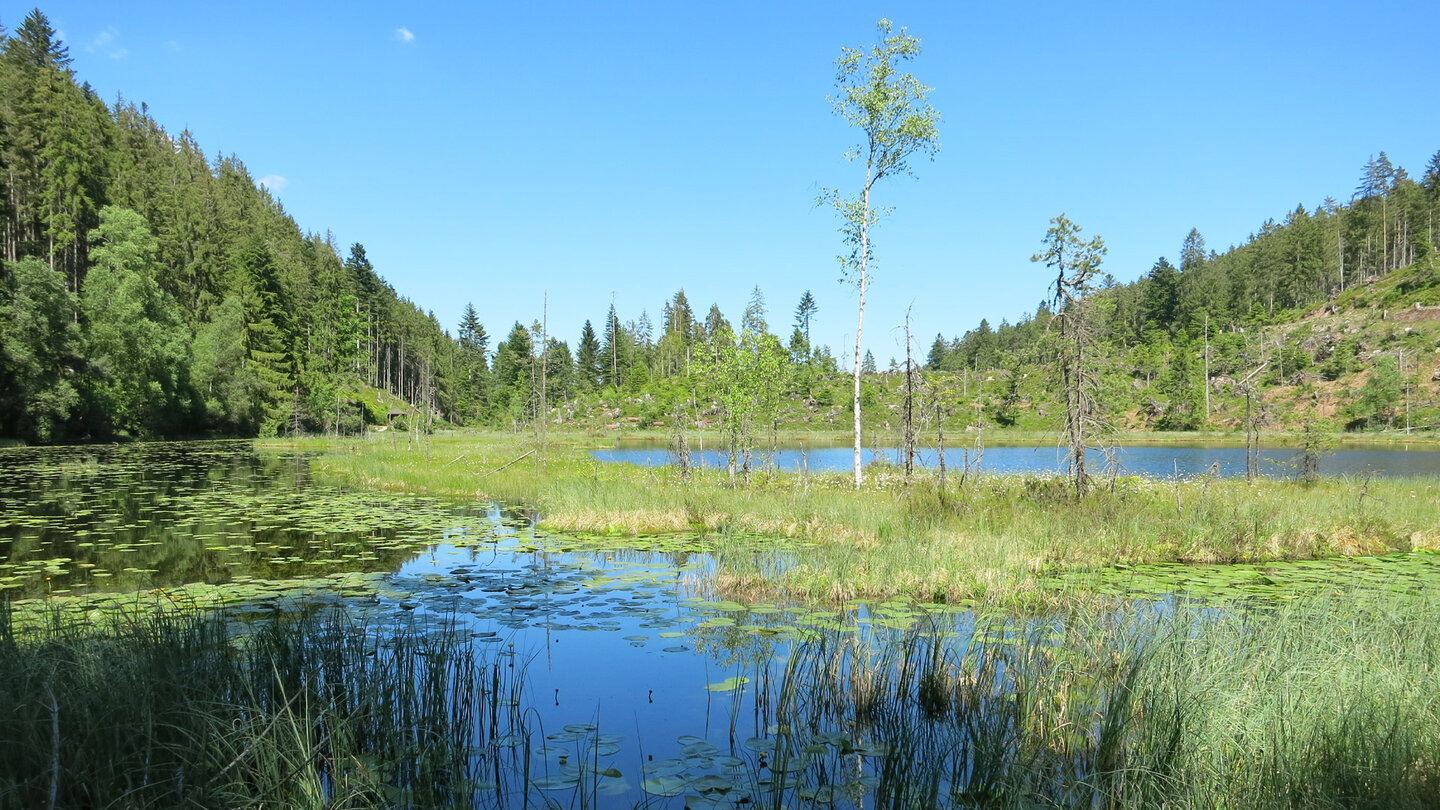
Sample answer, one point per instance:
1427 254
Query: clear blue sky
490 152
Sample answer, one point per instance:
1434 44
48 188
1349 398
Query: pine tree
614 351
1076 263
804 312
474 371
587 360
938 350
1160 296
754 317
1192 252
561 370
716 325
269 347
513 387
679 337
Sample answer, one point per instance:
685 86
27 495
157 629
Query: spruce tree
587 360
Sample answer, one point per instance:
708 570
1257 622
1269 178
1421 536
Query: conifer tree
614 351
938 350
474 371
716 325
587 360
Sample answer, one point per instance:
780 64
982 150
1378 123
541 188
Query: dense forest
150 290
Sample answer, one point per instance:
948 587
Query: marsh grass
1318 704
188 709
1101 704
989 539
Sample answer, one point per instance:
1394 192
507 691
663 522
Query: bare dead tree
1076 264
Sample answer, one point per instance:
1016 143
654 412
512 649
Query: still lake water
630 662
1148 460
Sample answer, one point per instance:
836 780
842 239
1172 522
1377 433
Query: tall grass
1314 704
179 709
1324 704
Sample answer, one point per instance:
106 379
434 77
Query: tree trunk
909 405
860 321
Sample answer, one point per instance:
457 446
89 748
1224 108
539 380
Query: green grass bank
981 537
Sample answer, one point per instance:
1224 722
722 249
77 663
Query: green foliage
748 379
1379 396
800 340
1314 444
233 393
473 382
179 298
1183 386
1341 360
1076 262
135 339
1004 410
40 346
195 304
891 108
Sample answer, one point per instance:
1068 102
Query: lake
634 680
1156 461
616 651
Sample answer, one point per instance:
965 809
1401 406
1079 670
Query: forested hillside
1332 301
150 290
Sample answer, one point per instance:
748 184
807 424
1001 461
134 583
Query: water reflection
1154 461
618 676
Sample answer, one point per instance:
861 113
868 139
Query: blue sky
492 152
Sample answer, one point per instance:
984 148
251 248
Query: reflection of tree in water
733 647
125 518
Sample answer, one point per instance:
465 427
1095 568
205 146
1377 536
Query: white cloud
274 182
403 34
108 43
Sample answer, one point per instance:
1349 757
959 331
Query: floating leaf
729 684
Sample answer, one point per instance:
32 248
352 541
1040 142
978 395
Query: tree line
1172 331
151 290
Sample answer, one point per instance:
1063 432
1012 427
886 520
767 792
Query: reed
1318 704
187 709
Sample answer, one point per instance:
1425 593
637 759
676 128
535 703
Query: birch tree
896 120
